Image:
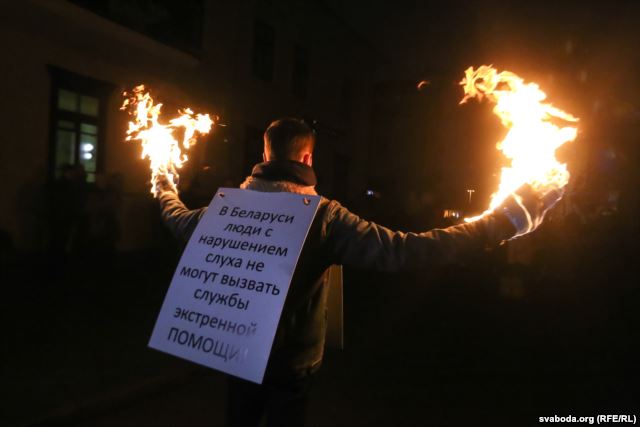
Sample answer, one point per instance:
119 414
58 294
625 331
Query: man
336 236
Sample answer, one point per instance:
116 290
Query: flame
534 132
159 144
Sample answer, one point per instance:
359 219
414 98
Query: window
264 42
300 75
76 123
253 148
346 99
341 167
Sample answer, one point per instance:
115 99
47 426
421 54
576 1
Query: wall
38 33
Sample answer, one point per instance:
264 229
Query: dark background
546 325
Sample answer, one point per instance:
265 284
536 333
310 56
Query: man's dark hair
287 138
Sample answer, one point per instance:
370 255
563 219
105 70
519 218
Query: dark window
300 76
174 23
77 114
346 99
341 166
264 42
253 148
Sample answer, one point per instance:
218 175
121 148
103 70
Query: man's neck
285 170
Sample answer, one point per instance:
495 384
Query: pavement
454 347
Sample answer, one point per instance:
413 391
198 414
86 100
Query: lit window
76 118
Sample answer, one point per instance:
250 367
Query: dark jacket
337 236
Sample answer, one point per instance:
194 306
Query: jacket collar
259 184
285 170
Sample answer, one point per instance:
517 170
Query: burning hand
159 141
535 130
161 182
526 208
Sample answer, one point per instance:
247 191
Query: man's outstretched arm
364 244
180 220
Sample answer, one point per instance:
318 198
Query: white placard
224 302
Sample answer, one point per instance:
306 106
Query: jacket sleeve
359 243
180 220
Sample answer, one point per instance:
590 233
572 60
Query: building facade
67 63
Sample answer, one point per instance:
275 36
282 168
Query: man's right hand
162 182
526 208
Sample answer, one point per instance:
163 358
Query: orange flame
533 133
158 142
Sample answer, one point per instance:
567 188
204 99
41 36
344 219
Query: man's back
336 236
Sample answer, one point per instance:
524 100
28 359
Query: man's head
289 139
